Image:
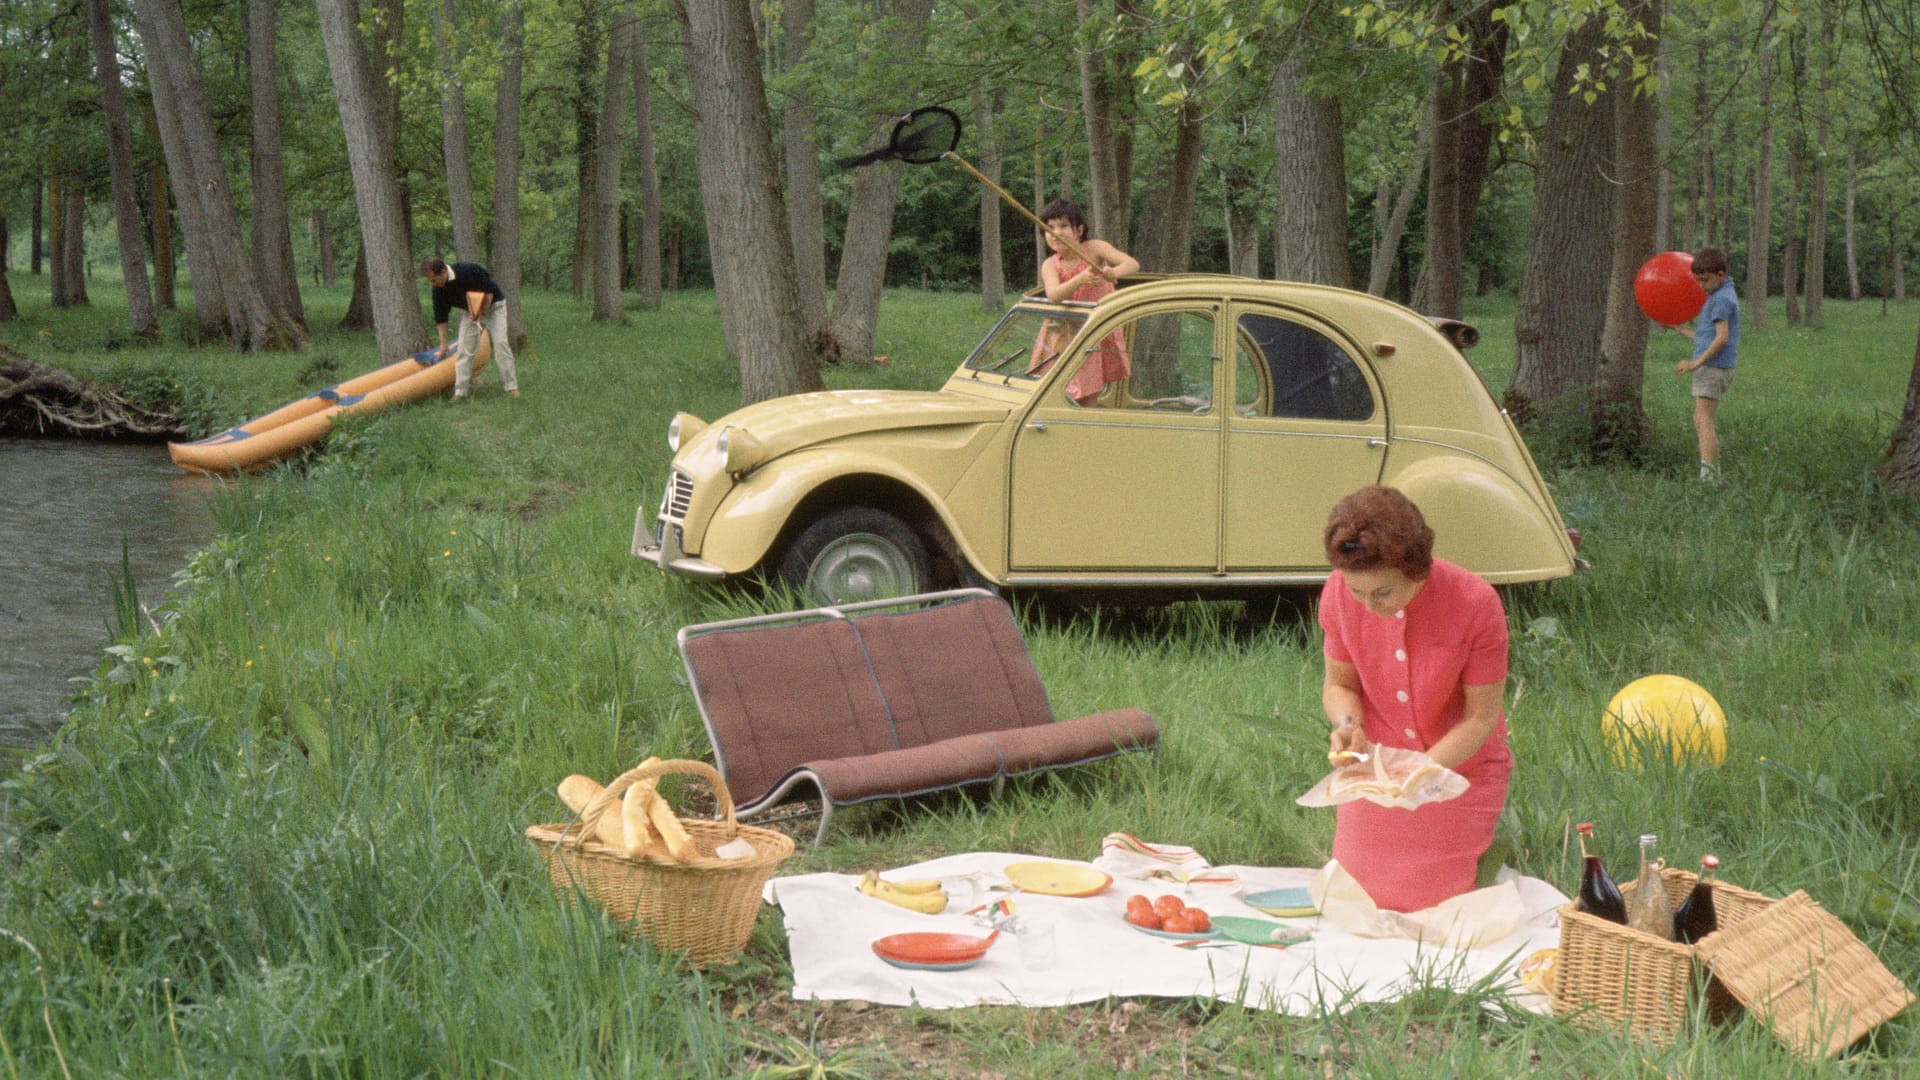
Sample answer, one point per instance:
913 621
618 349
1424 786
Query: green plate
1295 903
1260 931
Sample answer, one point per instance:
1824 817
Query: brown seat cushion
776 696
896 774
1071 742
954 669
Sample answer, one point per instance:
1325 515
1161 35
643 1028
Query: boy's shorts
1711 382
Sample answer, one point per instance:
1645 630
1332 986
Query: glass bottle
1695 918
1648 909
1599 896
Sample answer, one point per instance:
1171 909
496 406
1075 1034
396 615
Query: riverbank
284 832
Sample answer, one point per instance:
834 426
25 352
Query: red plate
931 950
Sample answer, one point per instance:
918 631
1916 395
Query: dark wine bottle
1695 918
1599 896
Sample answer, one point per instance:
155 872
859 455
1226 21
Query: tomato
1168 905
1145 918
1139 902
1202 922
1177 923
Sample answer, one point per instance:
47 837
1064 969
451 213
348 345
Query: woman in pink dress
1067 277
1416 655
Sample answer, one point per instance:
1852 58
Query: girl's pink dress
1108 363
1413 669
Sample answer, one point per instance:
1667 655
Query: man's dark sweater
467 277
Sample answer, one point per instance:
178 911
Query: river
64 507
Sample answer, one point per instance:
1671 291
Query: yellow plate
1056 878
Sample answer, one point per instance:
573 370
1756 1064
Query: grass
281 835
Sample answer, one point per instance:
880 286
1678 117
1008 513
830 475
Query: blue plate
911 965
1292 903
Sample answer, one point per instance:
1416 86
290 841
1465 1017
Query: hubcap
860 566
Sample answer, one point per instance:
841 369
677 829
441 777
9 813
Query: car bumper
659 543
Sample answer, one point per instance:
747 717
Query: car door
1308 426
1117 465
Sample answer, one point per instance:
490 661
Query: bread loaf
638 833
578 792
679 845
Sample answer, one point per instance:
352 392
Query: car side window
1308 375
1168 363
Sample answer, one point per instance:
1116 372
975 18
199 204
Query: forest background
1417 150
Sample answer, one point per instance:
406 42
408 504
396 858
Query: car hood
784 424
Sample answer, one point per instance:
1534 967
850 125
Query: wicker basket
704 907
1608 973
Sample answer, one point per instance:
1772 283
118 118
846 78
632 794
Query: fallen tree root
38 400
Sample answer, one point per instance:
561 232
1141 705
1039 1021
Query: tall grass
282 834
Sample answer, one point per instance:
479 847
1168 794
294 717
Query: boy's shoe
459 395
515 392
1711 475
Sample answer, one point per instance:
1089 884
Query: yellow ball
1664 710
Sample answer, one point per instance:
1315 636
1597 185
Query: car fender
757 510
1484 520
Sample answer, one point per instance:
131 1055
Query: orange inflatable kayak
266 439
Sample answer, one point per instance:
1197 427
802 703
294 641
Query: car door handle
1038 425
1375 444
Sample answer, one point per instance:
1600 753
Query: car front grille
679 496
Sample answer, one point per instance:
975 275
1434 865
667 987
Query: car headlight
740 450
682 427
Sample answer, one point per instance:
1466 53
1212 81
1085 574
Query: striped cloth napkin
1125 855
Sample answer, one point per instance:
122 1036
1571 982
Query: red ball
1665 288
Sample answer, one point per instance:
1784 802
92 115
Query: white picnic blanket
831 928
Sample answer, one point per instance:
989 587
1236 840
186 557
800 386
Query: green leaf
311 729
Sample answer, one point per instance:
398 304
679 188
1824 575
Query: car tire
856 553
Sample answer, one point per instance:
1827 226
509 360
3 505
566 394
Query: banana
930 902
919 885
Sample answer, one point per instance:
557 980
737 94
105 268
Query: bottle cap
1649 838
1585 828
1709 862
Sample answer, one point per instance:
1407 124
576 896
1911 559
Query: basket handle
610 795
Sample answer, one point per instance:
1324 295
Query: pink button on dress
1453 634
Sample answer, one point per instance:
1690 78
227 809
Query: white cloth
1124 855
831 928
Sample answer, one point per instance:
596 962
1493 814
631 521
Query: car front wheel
856 553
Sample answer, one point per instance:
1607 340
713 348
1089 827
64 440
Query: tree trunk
397 324
1483 83
273 268
453 136
1902 468
1822 50
56 241
1663 143
1183 182
70 243
740 193
1380 272
1897 253
993 271
586 120
209 300
1853 253
126 210
1563 288
806 218
646 257
39 212
162 224
9 311
1310 212
251 323
1106 96
608 306
324 253
1760 222
1440 288
1620 422
505 263
847 333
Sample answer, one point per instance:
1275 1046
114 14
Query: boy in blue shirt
1716 347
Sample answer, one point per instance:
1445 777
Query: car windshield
1026 343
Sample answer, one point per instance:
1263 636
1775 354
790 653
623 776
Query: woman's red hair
1378 527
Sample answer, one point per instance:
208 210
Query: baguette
578 792
680 846
638 833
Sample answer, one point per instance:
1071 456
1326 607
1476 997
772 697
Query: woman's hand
1347 738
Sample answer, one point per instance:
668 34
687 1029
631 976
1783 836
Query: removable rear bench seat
884 700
